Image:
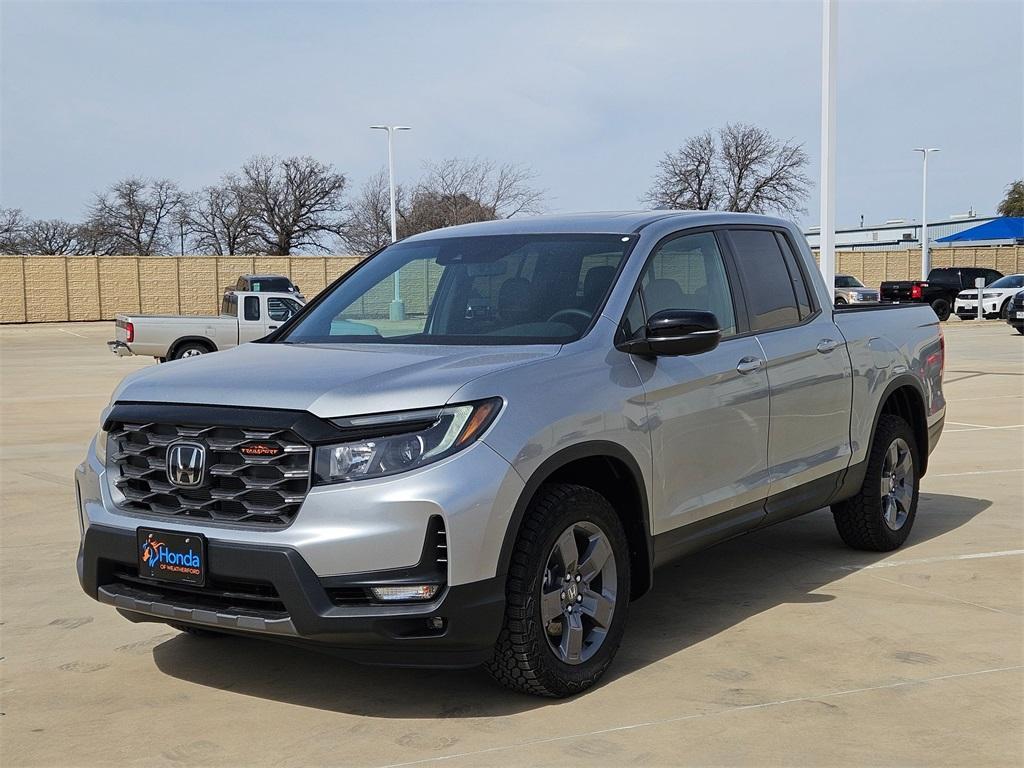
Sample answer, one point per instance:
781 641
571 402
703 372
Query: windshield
491 289
848 281
1010 281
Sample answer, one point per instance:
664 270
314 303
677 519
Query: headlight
101 447
989 295
397 442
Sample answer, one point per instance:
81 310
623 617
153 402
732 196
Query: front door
708 412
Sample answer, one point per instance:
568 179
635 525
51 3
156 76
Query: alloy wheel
897 486
578 592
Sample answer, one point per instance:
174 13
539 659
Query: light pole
829 45
926 259
397 309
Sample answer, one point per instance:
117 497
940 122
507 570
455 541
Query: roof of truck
605 222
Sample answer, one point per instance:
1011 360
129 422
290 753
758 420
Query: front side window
488 289
684 273
767 284
281 309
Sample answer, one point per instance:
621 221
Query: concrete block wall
35 289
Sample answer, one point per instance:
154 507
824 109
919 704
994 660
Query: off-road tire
941 309
523 660
860 519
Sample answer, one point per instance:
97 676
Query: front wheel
567 594
1004 311
941 308
840 301
880 516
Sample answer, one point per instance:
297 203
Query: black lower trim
398 634
694 537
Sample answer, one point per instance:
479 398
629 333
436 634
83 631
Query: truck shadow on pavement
692 600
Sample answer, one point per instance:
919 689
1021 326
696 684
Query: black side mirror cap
674 332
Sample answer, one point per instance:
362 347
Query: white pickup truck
244 316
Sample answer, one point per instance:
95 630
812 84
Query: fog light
404 592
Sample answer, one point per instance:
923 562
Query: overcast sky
589 95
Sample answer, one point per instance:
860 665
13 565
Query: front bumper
271 591
968 308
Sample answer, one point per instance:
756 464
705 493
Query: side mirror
674 332
297 289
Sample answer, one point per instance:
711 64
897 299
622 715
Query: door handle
827 345
271 327
749 365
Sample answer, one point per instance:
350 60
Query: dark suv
266 284
939 290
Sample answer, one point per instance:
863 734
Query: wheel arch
611 470
904 397
205 341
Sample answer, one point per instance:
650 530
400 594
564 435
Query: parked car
495 488
265 284
939 290
1015 312
995 298
243 317
850 290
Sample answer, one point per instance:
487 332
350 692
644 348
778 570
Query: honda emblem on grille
186 464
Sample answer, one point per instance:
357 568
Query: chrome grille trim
238 489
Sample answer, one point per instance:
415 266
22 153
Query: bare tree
134 214
54 237
222 220
369 224
461 190
12 230
746 169
296 202
687 178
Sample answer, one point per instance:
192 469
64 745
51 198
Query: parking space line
70 333
981 429
937 559
702 715
978 472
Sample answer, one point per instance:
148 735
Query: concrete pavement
778 648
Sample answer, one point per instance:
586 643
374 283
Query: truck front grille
264 485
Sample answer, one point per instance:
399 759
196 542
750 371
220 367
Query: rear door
809 372
708 413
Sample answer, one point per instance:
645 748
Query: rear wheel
190 349
941 308
880 516
567 594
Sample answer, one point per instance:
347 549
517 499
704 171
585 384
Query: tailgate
120 328
897 290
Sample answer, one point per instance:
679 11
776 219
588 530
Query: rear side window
800 288
251 307
767 284
229 305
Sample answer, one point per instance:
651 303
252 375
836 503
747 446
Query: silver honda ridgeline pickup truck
476 447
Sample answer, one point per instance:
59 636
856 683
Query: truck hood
326 380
